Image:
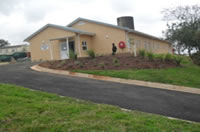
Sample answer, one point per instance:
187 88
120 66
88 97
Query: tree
183 31
3 43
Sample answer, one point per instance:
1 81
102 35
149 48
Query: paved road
163 102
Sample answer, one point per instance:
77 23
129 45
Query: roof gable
115 26
58 27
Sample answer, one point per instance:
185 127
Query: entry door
71 46
64 51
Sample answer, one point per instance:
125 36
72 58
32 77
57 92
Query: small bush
91 53
150 56
73 55
117 64
19 55
115 60
142 53
178 60
160 57
5 58
168 57
196 58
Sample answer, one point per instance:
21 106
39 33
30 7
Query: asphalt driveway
159 101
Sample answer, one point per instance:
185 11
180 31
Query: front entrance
65 49
71 46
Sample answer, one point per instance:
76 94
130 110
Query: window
84 45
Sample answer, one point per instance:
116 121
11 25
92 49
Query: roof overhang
59 27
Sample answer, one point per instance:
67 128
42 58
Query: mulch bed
117 62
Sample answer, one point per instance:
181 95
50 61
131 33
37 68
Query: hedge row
17 55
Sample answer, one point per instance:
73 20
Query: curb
4 63
119 80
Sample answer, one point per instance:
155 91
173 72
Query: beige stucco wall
105 36
148 44
101 43
43 38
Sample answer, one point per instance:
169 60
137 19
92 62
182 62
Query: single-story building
53 42
9 50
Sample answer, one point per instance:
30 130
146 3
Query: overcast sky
20 18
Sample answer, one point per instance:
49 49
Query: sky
20 18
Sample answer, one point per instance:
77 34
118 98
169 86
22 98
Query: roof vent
126 21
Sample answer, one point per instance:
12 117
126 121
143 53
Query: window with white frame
84 45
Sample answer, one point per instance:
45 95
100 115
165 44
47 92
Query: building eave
58 27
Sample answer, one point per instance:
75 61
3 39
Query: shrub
73 55
5 58
150 55
196 58
178 60
160 57
117 64
91 53
115 60
168 57
142 53
18 55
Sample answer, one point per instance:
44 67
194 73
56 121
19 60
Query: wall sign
44 47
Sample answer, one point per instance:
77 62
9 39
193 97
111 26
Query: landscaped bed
160 68
23 110
109 62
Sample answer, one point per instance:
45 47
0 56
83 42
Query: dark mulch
117 62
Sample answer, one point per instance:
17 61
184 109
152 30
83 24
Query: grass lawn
23 110
187 75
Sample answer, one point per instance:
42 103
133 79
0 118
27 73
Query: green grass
23 110
187 75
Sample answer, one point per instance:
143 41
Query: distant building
54 42
8 50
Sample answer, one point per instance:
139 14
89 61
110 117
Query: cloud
8 6
122 6
20 18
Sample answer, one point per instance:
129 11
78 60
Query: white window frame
84 45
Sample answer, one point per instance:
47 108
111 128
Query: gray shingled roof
115 26
59 27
